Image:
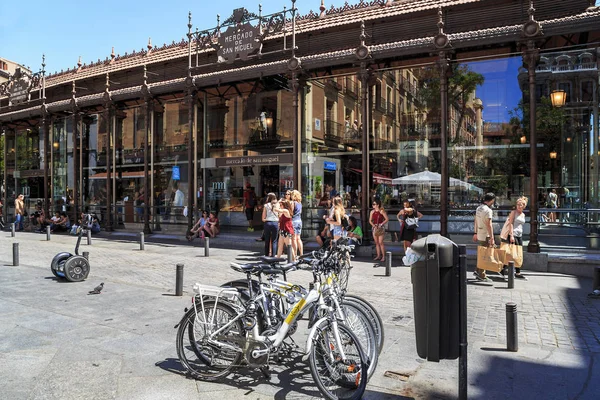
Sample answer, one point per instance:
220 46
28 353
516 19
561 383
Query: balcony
351 87
380 104
333 132
391 109
333 83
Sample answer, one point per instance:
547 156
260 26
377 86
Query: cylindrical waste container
435 282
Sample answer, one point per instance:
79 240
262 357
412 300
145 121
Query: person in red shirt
249 204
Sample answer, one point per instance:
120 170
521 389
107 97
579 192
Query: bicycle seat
245 267
273 260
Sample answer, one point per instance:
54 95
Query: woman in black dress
408 234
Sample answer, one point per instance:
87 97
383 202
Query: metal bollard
15 254
388 263
179 280
12 229
89 237
86 255
596 284
512 335
48 233
206 246
141 240
290 254
511 274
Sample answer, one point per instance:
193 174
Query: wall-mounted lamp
569 139
553 155
269 122
523 139
55 145
558 98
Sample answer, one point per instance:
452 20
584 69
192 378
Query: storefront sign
19 86
329 166
267 159
240 40
31 173
176 174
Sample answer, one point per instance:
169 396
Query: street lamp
558 98
553 155
523 139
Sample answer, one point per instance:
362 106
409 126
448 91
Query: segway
74 268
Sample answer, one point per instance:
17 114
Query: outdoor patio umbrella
433 178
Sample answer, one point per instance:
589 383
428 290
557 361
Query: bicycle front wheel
374 316
202 358
335 376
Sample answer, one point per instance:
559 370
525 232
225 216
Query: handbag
379 231
514 253
486 259
411 223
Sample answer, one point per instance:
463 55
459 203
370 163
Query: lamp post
558 98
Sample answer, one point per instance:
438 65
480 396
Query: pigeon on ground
97 289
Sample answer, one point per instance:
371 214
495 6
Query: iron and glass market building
437 101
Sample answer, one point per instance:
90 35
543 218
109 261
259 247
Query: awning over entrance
377 178
124 174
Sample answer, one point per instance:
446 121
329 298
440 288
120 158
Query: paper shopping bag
500 255
514 253
486 259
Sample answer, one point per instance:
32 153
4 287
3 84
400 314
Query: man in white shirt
178 200
484 230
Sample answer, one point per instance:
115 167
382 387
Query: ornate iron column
364 76
47 165
531 54
294 66
108 117
442 44
5 176
76 132
191 100
147 189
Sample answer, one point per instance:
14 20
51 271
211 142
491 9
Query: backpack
345 222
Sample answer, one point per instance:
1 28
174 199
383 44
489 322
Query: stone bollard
12 229
86 255
89 237
512 335
179 280
511 274
206 246
142 241
388 263
15 254
48 233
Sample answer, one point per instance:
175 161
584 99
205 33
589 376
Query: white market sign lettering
238 41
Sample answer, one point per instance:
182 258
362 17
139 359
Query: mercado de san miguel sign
239 40
19 86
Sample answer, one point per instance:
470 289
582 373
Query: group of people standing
283 223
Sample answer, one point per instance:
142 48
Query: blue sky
63 30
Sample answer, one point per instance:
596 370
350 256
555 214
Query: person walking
512 232
297 222
286 228
335 220
553 204
408 234
249 204
270 220
484 231
378 218
19 212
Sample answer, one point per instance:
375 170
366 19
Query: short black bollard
48 233
12 229
388 263
89 237
290 254
206 246
141 240
511 274
512 335
179 280
596 284
86 255
15 254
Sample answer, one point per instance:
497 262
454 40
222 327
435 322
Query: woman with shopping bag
484 236
512 237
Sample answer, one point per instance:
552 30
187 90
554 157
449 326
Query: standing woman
408 234
297 222
270 220
286 229
335 220
512 232
19 212
378 218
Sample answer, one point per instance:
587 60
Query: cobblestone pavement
44 338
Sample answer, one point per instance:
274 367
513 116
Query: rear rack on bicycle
216 291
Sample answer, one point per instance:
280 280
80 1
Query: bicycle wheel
204 360
335 377
362 327
373 316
